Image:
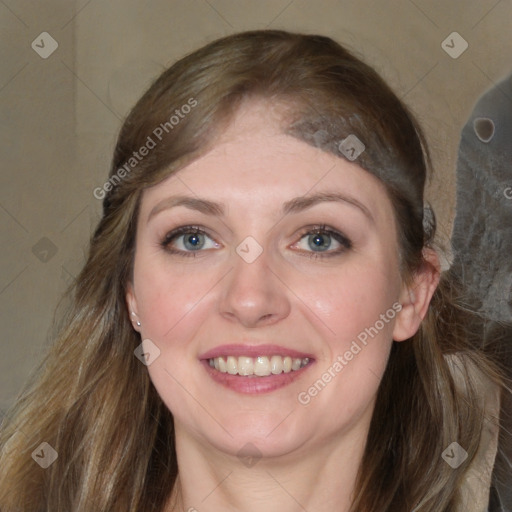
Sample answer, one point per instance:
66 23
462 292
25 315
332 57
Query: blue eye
321 242
187 240
321 239
193 241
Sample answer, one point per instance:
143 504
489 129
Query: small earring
137 322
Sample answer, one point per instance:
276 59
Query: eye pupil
193 241
321 242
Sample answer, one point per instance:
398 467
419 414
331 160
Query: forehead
254 162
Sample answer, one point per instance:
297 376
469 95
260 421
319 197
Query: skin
317 305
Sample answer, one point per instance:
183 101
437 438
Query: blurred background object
482 237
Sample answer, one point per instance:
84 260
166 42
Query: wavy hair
93 401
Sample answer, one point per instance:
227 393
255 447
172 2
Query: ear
131 304
415 297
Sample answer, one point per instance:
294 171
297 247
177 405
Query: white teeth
245 366
296 364
231 365
223 367
261 366
276 364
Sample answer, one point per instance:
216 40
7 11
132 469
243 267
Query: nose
253 294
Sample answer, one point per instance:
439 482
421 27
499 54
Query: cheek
167 297
172 303
357 306
360 325
350 303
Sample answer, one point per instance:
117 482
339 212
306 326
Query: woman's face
265 254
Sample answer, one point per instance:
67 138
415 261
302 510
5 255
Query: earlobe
415 297
131 304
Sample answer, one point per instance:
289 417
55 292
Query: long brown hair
93 401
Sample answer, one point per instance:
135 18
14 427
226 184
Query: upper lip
239 350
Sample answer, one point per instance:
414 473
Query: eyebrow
302 203
192 203
295 205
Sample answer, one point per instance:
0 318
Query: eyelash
313 230
322 229
175 233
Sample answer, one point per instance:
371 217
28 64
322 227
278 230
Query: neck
314 478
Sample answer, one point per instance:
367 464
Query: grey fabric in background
482 234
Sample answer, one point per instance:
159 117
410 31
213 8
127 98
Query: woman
262 323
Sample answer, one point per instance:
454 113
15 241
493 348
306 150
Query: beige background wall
60 115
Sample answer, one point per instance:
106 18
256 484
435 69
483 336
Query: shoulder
477 481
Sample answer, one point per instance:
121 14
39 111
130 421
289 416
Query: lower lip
254 385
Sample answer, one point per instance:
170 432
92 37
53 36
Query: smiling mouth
261 366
